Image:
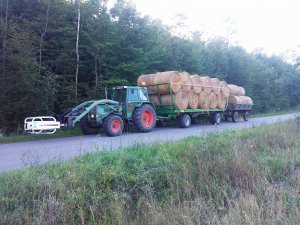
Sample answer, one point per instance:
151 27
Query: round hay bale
197 83
154 99
245 100
213 100
236 90
224 88
180 99
186 81
216 85
146 79
169 77
207 86
203 101
221 101
193 100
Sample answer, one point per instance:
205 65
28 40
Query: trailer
184 117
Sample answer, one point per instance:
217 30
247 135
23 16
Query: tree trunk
77 50
43 34
3 67
96 79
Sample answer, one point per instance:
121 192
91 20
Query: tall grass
245 177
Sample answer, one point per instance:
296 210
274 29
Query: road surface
19 155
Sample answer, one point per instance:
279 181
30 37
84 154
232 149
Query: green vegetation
245 177
12 138
38 66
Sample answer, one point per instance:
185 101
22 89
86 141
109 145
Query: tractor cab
129 98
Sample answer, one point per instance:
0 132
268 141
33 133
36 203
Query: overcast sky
271 25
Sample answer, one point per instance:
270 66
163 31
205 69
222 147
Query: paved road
24 154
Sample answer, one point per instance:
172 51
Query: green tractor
129 105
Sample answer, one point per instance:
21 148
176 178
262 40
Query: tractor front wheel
144 118
113 125
86 128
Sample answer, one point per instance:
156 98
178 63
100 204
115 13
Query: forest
55 54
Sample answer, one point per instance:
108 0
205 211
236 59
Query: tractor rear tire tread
137 118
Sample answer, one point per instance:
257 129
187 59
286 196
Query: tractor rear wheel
86 128
113 125
144 118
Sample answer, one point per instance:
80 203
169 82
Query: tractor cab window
119 95
133 95
143 94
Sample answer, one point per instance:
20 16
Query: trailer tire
144 118
86 128
216 118
235 116
246 116
113 125
184 121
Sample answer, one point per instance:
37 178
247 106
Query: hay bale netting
224 88
170 77
236 90
240 100
203 101
213 100
192 100
206 84
197 83
215 82
221 100
180 99
186 81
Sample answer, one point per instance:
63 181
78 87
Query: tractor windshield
119 95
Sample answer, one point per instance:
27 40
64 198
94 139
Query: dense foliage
39 61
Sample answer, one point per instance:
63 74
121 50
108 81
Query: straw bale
197 83
213 100
240 100
192 100
221 101
186 81
180 99
225 89
215 82
203 100
207 86
168 77
236 90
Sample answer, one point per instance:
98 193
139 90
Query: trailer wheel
86 128
144 118
235 116
184 121
113 125
216 118
246 116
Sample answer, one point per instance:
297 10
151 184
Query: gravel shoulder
23 154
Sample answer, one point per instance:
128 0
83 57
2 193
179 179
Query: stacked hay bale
188 91
237 95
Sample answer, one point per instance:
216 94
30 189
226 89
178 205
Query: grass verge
245 177
13 138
